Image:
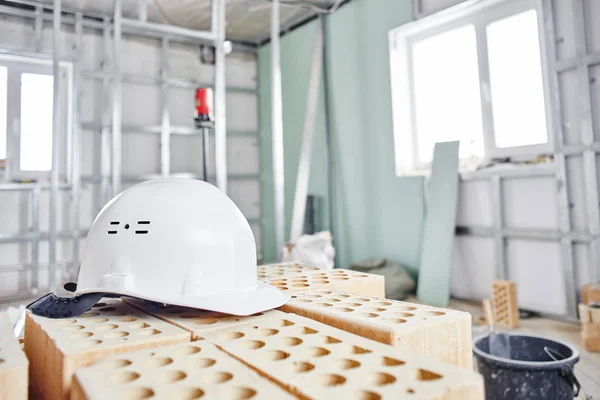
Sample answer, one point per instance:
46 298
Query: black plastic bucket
530 372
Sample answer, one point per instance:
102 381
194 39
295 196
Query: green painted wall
377 213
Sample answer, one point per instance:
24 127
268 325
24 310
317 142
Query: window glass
36 122
446 93
516 84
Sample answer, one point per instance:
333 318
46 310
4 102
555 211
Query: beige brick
287 270
13 364
317 361
195 321
181 371
57 347
344 280
506 308
437 333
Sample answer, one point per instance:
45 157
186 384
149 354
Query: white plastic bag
314 250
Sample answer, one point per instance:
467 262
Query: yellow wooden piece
57 347
181 371
13 364
590 327
345 280
506 308
316 361
438 333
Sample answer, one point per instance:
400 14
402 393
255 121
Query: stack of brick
590 327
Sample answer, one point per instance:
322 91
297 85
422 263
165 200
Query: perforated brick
317 361
438 333
195 321
13 364
285 270
344 280
590 327
57 347
506 308
181 371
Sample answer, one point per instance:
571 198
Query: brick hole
300 285
89 314
343 296
331 380
382 304
156 362
435 313
343 309
124 377
285 322
346 363
404 314
187 351
276 355
138 325
98 305
106 327
426 375
381 378
81 335
116 335
201 363
267 332
253 344
290 341
97 320
89 343
339 278
320 282
410 391
360 350
120 363
391 362
149 332
216 377
303 301
360 276
138 393
306 331
374 309
66 321
169 376
242 393
205 321
364 300
365 395
369 315
333 300
395 320
74 328
323 305
405 308
332 340
317 352
189 393
230 335
312 296
300 366
127 319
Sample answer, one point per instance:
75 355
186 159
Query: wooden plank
590 292
437 333
590 327
344 280
13 364
316 361
433 286
285 270
506 309
57 347
181 371
197 322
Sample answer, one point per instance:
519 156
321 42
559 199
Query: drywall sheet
440 221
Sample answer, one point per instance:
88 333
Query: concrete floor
587 369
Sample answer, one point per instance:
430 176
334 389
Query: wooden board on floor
440 222
13 364
181 371
438 333
57 347
359 283
316 361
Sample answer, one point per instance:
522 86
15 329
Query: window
473 74
26 115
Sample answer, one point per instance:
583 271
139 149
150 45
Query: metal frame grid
111 129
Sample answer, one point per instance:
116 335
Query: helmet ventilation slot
112 232
141 232
114 222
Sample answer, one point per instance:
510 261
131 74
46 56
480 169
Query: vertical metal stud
499 240
76 134
143 10
56 137
116 117
277 129
218 20
105 132
39 29
165 129
35 240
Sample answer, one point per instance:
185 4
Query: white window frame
479 13
18 65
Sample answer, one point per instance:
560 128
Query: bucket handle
567 372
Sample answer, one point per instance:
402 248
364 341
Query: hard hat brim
262 298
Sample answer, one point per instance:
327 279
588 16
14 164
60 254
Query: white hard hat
175 241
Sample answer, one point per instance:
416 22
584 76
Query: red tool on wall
204 119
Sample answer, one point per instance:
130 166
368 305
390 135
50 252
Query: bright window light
447 101
516 81
2 113
36 122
